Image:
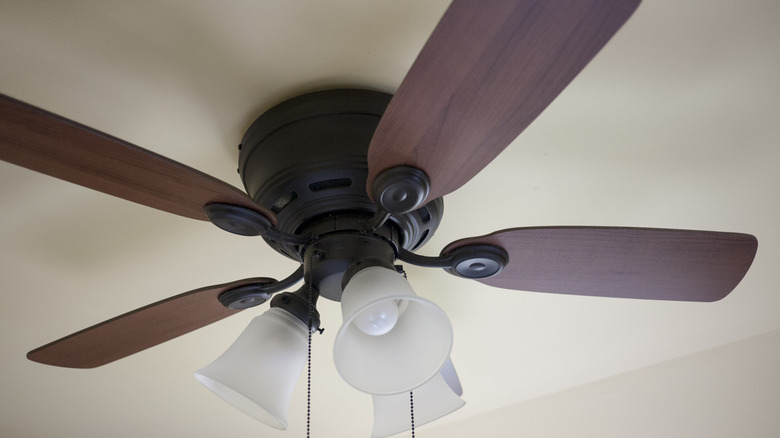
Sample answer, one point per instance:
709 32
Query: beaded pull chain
308 383
307 281
411 409
308 361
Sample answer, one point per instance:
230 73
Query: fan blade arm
474 261
244 221
487 71
154 324
254 294
53 145
620 262
443 261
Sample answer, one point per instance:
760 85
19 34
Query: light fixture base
329 259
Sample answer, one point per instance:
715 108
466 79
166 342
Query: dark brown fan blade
140 329
646 263
487 71
47 143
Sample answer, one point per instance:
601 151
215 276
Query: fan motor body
305 160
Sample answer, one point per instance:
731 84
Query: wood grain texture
487 71
140 329
44 142
653 264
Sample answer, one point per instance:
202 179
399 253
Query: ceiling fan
347 182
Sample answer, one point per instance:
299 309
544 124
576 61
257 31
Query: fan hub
305 160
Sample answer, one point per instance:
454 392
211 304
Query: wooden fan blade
140 329
653 264
44 142
487 71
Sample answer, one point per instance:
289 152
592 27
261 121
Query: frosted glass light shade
258 373
405 357
434 399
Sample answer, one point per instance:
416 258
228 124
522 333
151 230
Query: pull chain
308 361
307 281
308 383
411 409
308 261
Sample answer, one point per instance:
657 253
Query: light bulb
378 319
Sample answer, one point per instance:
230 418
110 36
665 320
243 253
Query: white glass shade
258 373
407 356
434 399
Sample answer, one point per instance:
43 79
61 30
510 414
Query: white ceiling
674 125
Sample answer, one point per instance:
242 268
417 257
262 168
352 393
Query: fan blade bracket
244 221
478 261
246 296
471 261
401 189
255 294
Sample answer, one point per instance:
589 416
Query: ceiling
675 124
